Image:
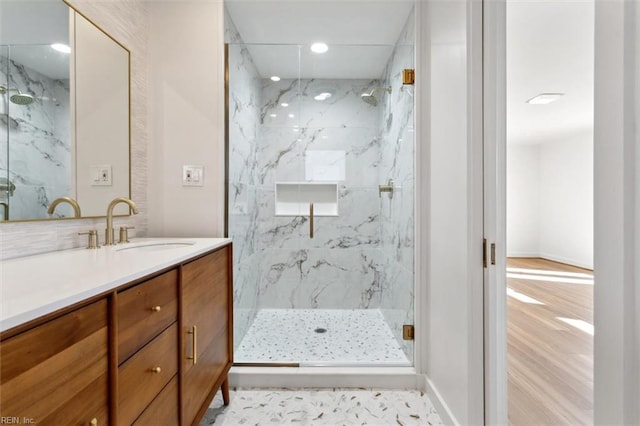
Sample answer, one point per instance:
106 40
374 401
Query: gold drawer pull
156 308
156 370
94 422
194 339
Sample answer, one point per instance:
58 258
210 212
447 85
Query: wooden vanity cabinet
57 373
207 348
155 353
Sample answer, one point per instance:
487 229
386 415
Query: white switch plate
192 175
101 175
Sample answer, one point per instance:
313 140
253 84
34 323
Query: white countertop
34 286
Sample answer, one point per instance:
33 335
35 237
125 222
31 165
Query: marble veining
350 336
37 155
335 407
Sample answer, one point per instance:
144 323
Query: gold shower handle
310 220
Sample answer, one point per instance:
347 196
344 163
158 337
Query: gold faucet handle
124 234
92 242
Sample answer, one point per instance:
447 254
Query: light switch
101 175
192 175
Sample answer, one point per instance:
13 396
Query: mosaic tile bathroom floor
350 336
323 407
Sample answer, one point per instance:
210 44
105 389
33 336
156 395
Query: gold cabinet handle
156 370
156 308
94 422
194 340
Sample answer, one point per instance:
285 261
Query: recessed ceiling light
544 98
275 78
319 47
322 96
61 47
291 115
284 104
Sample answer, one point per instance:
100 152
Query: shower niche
294 198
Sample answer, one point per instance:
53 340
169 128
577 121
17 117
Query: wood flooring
550 361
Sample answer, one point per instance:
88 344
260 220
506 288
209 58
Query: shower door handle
310 220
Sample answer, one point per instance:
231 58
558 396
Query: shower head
370 98
21 98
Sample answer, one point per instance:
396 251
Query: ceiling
361 35
550 49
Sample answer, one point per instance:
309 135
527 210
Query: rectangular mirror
64 113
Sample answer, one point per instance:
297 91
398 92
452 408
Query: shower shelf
293 198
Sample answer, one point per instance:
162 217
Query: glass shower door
333 287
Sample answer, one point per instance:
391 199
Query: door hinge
408 76
484 252
408 332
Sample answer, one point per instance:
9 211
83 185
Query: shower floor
352 337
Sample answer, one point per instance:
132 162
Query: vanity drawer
144 375
163 411
144 311
57 373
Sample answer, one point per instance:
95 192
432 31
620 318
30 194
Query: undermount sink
156 246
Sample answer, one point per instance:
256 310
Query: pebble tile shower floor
333 407
352 337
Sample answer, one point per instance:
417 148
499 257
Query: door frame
494 209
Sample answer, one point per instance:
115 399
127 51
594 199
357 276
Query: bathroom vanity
139 333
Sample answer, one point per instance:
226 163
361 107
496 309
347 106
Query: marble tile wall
340 267
397 213
127 21
39 153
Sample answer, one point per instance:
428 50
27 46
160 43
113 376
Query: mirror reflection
64 94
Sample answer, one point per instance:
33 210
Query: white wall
523 201
550 200
452 354
566 200
186 40
617 218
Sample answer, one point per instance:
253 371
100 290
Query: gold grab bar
310 220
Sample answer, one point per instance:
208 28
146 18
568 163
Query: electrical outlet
101 175
192 175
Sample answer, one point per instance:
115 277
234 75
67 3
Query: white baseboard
441 407
523 254
567 261
554 258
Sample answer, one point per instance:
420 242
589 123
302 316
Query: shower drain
320 330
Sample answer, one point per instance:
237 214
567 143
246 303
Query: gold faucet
108 234
5 211
71 201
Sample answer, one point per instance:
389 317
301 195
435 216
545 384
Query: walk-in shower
298 134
